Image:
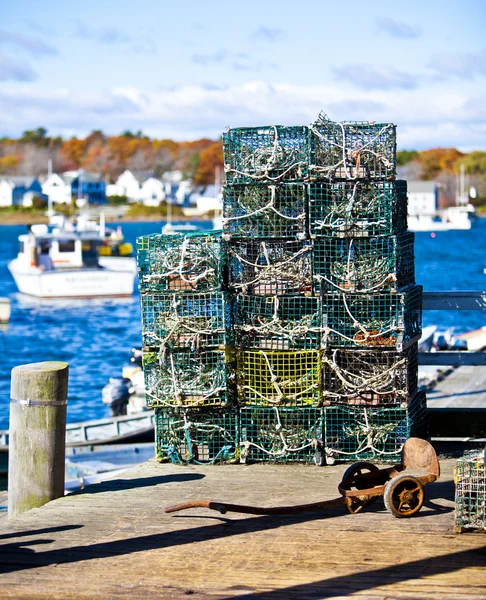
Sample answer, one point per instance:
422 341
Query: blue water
95 336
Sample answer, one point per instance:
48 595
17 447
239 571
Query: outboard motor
116 394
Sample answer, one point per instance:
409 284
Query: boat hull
72 283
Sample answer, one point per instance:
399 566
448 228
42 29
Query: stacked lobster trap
292 335
186 362
363 271
277 326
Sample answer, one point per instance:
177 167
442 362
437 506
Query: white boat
66 265
454 217
4 310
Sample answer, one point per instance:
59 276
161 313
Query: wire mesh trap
353 434
363 264
357 209
281 434
273 153
269 267
179 262
268 378
351 150
187 378
278 322
185 320
200 436
470 495
386 320
370 377
259 210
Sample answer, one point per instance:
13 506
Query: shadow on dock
114 485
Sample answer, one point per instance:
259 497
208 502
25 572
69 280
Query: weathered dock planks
114 541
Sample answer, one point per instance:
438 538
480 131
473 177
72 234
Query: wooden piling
38 402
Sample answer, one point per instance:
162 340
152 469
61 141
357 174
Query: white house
19 191
58 188
422 198
126 185
152 192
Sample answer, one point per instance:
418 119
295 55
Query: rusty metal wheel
350 481
404 496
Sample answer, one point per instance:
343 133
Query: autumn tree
437 160
209 160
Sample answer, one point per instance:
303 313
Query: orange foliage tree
438 160
209 159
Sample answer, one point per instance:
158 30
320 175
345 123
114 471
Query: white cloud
397 29
13 69
424 119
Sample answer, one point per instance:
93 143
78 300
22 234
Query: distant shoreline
34 219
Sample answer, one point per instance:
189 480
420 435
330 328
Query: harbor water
95 336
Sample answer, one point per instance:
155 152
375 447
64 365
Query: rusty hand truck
362 484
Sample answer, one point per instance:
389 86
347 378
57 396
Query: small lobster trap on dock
200 436
357 209
265 211
273 153
179 263
286 378
381 320
470 496
185 320
351 150
269 267
363 433
369 377
278 322
281 434
188 378
364 265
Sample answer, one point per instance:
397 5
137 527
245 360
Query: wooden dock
113 540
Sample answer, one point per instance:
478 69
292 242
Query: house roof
19 181
421 187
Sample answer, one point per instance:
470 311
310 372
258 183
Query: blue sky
190 69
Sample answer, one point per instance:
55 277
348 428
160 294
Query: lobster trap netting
269 267
372 320
187 378
281 434
364 265
271 211
357 209
278 322
179 262
185 320
370 377
273 153
470 495
351 150
353 434
287 378
199 436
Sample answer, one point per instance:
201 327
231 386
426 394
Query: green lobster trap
269 267
355 434
357 209
262 210
179 262
351 150
470 495
386 320
272 153
278 322
199 436
188 378
281 434
364 265
287 378
370 377
185 320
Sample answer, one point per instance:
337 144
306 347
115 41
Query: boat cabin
60 250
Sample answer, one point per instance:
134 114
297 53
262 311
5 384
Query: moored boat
4 310
65 264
